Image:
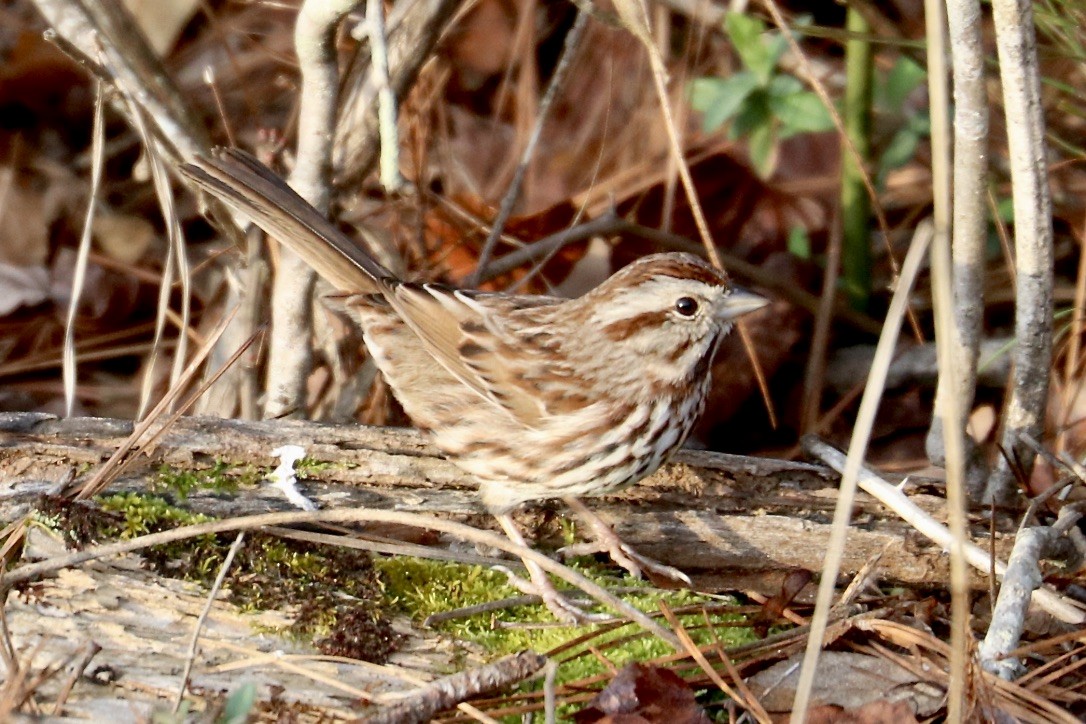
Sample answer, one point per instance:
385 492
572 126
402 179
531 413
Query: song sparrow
536 397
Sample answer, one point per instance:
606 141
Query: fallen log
730 517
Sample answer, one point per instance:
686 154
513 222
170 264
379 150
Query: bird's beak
740 302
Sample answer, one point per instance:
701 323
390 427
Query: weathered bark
708 512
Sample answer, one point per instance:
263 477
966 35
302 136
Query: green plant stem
855 205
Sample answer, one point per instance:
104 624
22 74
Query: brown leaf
746 215
646 694
123 237
772 609
107 297
480 45
455 241
875 712
22 286
846 686
25 218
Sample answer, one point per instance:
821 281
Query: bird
535 397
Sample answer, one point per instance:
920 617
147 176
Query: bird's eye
686 306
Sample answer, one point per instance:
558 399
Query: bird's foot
560 606
540 585
605 540
626 557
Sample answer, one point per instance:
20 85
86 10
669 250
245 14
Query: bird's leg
607 541
541 585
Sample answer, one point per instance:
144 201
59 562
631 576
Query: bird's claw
564 610
624 556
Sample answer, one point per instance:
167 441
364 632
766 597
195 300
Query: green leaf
1005 209
801 112
899 151
776 44
920 124
753 115
761 144
239 705
704 93
784 85
799 243
719 99
905 77
746 34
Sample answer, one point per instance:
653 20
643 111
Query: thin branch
413 30
969 231
211 595
815 373
386 99
1021 579
610 224
94 29
1059 607
445 693
952 405
558 79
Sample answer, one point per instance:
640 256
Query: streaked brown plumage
537 397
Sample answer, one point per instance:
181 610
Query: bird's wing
463 332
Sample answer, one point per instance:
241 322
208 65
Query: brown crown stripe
679 267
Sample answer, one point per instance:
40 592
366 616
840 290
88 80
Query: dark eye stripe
628 327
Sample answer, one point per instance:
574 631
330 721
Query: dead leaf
455 240
25 217
123 237
748 216
647 694
772 609
481 44
107 296
162 20
22 286
847 683
876 712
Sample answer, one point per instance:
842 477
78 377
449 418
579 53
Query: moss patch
332 591
339 596
220 477
420 588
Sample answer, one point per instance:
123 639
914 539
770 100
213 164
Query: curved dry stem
865 419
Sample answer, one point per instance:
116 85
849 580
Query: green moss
308 467
332 592
420 588
221 477
338 595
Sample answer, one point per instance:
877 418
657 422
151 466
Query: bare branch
1017 44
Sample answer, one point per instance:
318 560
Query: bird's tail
245 184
